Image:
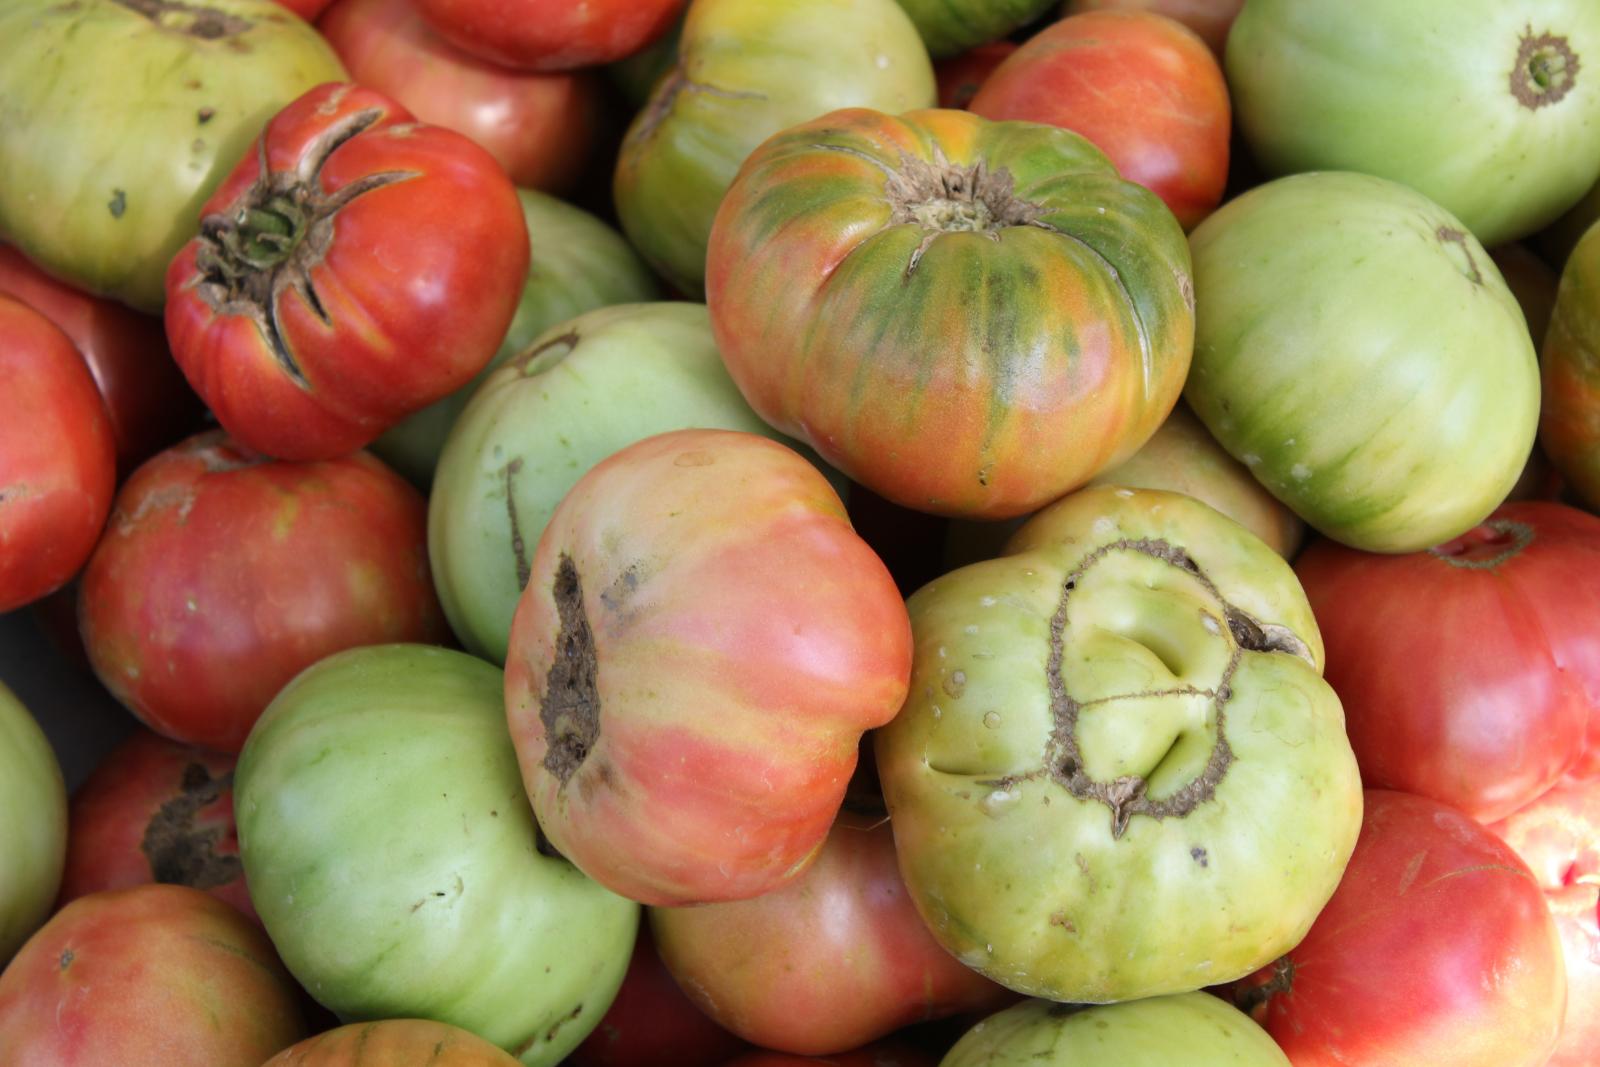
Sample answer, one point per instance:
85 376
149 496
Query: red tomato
651 1022
540 127
223 574
58 461
156 811
1143 88
961 76
355 267
158 974
306 9
1211 19
834 959
1470 672
551 34
701 643
149 403
1558 836
1437 948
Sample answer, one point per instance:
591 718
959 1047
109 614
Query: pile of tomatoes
964 532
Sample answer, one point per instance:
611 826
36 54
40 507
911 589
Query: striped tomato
968 317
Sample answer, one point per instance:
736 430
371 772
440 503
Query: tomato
1437 948
951 26
745 71
1358 351
824 963
57 457
224 574
550 34
652 1022
392 856
1119 772
1189 1028
1484 106
967 317
33 824
1558 836
1143 88
157 974
573 396
1211 19
1469 673
156 811
961 76
149 403
701 643
306 9
539 127
393 1042
119 118
1569 421
879 1054
356 266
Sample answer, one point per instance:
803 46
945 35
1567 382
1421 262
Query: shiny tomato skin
223 574
832 960
157 974
1436 948
1211 19
403 269
701 643
1143 88
57 457
961 76
1558 836
539 127
551 34
1469 672
156 811
149 403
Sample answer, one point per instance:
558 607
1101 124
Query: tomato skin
829 961
1569 417
415 279
156 811
1436 948
57 457
1143 88
223 574
878 1054
149 403
1211 19
157 974
550 34
393 1043
31 848
960 77
742 638
539 127
1469 673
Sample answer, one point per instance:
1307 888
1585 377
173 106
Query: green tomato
1119 773
1192 1029
119 118
745 71
33 825
586 389
951 26
577 263
1357 349
1489 107
394 859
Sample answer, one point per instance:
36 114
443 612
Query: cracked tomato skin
394 1043
701 643
223 574
877 287
156 811
1437 948
355 267
1119 773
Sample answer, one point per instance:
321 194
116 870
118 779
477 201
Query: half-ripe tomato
1569 418
551 34
58 460
1436 948
1470 672
393 1043
1144 89
356 266
540 127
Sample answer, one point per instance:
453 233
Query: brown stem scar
1545 70
570 707
179 853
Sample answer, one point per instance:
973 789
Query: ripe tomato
58 460
356 266
551 34
1469 673
1211 19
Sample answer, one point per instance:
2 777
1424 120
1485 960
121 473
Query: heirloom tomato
550 34
968 317
33 824
355 267
951 26
1569 421
1211 19
394 1043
